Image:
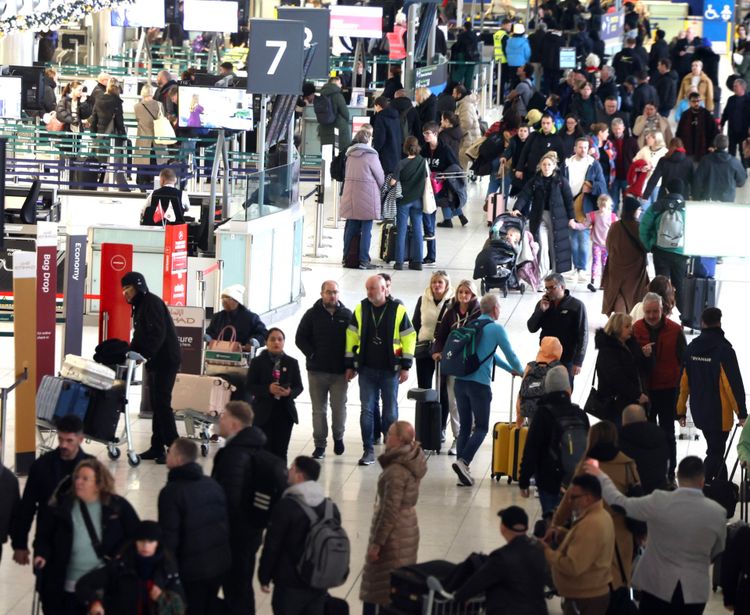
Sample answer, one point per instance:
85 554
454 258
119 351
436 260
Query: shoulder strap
310 511
95 542
636 243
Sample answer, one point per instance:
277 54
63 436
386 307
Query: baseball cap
514 518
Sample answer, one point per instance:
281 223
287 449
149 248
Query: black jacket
9 503
551 52
260 376
193 518
106 116
553 193
666 89
287 531
427 111
49 102
64 112
565 321
536 42
154 335
535 147
644 93
248 324
618 369
321 336
445 102
410 115
164 197
735 115
659 50
626 62
54 537
717 177
387 139
544 437
678 165
512 578
735 563
118 586
450 138
587 111
646 444
45 474
243 468
606 90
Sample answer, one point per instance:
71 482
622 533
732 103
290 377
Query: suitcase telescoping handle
437 379
512 384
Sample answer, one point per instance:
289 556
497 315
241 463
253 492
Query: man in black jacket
251 332
666 86
558 314
10 500
155 338
544 438
644 93
285 543
735 116
512 577
45 474
659 51
252 479
321 336
156 210
539 143
193 519
387 138
718 174
646 444
627 61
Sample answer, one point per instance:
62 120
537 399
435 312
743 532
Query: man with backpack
252 479
524 93
532 386
555 443
332 113
469 355
661 231
719 174
306 551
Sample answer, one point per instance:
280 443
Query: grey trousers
323 386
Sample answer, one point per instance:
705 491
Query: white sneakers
464 475
452 449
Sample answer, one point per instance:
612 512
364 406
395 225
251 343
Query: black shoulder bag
95 542
598 405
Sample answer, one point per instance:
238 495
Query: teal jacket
493 335
649 223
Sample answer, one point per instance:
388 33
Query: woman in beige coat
468 115
394 533
146 111
602 446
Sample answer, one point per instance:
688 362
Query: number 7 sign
274 62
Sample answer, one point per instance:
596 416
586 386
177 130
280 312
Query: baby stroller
496 263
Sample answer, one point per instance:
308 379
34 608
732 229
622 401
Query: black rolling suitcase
428 419
388 234
104 412
698 294
409 584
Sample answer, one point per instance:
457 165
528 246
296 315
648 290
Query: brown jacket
625 279
624 473
394 522
582 564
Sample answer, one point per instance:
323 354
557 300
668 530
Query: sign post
25 346
46 290
175 265
275 56
114 311
73 290
316 32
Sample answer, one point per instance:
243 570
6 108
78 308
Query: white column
107 39
17 49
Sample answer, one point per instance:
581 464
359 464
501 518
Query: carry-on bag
222 345
722 488
58 397
508 441
409 584
494 204
203 394
698 294
428 418
104 412
388 234
88 372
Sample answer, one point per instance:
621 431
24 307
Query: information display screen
210 16
140 14
10 97
229 108
356 21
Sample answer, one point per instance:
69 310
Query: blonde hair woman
652 152
547 202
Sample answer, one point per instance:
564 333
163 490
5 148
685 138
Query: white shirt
577 172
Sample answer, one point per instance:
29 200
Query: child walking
599 222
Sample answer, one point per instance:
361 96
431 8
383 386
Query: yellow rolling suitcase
508 442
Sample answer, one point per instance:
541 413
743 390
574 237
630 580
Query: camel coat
146 111
623 472
468 115
625 279
394 522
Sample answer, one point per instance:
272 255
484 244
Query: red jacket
667 355
637 176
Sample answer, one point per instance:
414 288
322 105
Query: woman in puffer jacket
394 533
360 200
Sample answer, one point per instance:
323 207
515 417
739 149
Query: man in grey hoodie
285 542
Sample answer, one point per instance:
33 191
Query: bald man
380 342
321 336
647 445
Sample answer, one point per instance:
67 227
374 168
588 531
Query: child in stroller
497 263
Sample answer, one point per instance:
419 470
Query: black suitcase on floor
85 174
409 584
428 419
104 412
351 260
388 234
698 294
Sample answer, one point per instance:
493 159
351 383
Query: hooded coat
468 115
387 138
646 444
394 523
552 192
625 279
360 199
154 335
618 370
343 123
408 116
677 165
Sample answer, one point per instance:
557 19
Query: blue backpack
460 351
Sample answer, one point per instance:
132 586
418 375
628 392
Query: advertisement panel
24 344
189 325
117 260
357 21
174 287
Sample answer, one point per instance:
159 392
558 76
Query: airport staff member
168 194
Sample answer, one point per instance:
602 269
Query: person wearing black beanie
155 338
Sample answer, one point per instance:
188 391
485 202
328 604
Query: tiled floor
453 521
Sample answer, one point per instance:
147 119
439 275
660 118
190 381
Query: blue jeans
373 383
352 228
646 203
549 501
579 246
428 223
405 213
473 401
615 191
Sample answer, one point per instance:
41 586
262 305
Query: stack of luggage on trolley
91 391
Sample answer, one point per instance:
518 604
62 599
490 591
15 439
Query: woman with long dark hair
674 163
570 132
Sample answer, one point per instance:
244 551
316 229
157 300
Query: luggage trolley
440 602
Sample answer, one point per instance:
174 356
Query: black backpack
338 166
324 112
532 387
570 445
537 101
